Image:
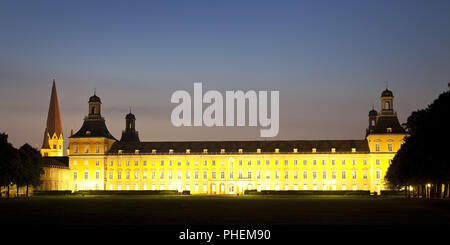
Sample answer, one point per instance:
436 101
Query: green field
204 210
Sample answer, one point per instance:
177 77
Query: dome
387 93
130 116
373 113
94 98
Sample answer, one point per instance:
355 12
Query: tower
372 120
130 134
89 146
387 102
53 136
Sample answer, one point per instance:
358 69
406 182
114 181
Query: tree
31 167
423 158
9 160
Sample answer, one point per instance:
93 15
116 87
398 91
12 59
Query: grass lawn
222 210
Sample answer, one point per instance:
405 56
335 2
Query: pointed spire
53 118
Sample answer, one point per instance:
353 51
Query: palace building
96 160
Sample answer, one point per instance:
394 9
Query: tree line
19 167
422 165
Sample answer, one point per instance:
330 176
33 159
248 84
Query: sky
329 60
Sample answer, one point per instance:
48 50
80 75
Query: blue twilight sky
328 59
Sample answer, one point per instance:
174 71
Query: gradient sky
328 59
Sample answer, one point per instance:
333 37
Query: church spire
53 126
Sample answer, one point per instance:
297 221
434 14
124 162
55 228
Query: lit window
344 174
305 174
354 174
324 174
389 147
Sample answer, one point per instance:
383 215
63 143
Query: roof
54 125
93 128
387 93
130 116
373 112
284 146
388 121
94 98
56 162
129 136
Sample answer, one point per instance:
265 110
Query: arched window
93 110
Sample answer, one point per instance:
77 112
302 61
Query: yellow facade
55 178
230 173
95 164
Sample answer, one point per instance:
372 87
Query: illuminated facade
98 161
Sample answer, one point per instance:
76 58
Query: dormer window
258 150
136 151
153 151
188 151
277 150
240 150
333 150
205 151
389 130
222 151
314 150
295 150
170 151
120 151
353 149
88 132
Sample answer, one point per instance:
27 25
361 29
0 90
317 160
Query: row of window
377 147
267 176
86 148
231 163
97 148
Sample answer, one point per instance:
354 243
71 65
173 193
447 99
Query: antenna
386 82
95 91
